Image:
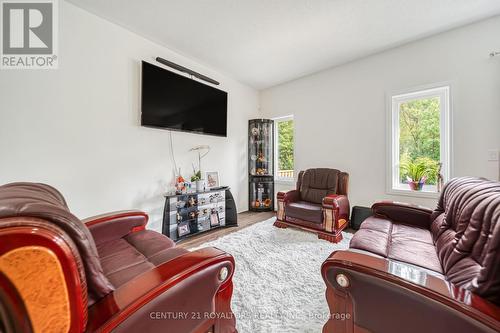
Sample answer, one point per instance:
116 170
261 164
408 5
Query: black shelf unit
261 165
195 210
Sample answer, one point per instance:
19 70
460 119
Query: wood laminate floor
245 219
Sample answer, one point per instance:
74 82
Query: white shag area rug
278 286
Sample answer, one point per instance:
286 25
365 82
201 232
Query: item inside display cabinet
260 172
265 203
255 132
191 201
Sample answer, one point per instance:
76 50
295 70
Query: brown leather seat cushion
398 242
125 258
305 211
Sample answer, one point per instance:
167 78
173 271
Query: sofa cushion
125 258
317 184
397 242
305 211
372 236
466 231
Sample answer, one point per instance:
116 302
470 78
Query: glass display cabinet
261 164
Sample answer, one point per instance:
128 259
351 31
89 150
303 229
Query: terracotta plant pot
416 186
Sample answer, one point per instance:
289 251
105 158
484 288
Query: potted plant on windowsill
416 185
417 172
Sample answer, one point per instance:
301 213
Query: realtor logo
29 34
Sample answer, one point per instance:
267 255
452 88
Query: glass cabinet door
261 195
260 147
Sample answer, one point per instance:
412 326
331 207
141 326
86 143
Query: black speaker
231 212
359 214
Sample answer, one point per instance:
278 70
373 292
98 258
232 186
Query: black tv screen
175 102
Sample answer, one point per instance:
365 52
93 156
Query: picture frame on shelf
214 218
183 229
212 178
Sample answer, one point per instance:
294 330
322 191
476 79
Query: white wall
77 127
340 113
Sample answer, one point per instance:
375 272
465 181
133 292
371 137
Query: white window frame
284 180
441 90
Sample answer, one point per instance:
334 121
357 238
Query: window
283 129
420 141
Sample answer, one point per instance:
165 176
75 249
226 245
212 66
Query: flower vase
200 185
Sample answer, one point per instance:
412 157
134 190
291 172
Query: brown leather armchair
107 273
318 204
411 269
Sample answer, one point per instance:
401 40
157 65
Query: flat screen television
175 102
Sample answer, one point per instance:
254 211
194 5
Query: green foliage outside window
419 139
285 145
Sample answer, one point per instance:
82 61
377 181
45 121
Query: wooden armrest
403 212
339 203
433 287
117 306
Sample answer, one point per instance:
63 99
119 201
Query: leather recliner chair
107 273
318 204
411 269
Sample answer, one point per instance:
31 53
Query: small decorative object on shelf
196 178
212 179
180 185
260 164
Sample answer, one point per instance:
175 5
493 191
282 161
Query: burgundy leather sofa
411 269
318 204
107 273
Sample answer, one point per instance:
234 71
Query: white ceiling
266 42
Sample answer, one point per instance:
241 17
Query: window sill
284 181
430 192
